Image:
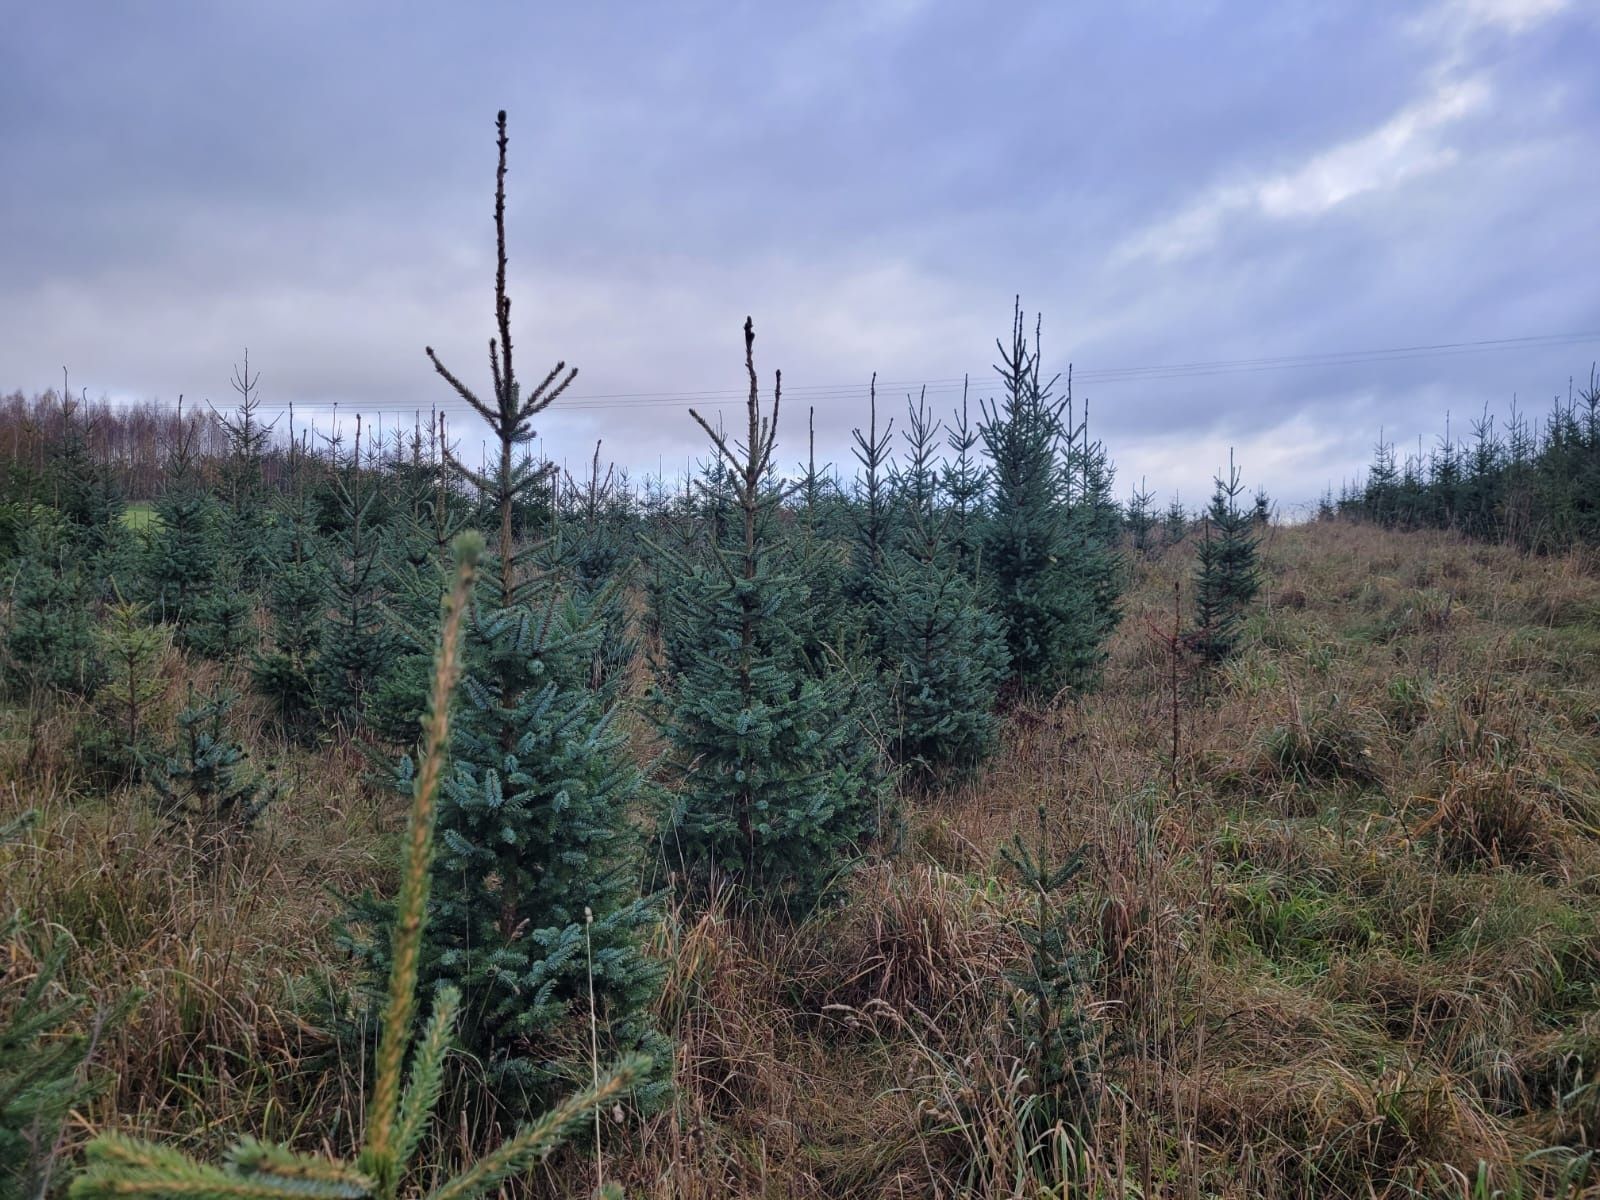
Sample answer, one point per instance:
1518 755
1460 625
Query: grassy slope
1357 953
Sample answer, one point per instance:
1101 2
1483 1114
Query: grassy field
1347 944
139 515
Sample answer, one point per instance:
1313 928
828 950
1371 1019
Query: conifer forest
382 816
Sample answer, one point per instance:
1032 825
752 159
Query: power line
577 401
1103 374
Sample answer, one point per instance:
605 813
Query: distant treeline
130 442
1533 484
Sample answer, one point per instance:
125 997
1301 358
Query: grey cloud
873 185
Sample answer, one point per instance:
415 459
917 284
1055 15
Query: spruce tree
223 621
408 1071
773 787
118 740
43 1053
203 782
872 515
1061 1050
965 483
944 652
1382 498
1141 519
1089 555
247 534
181 559
49 639
823 560
1175 522
84 494
947 659
1226 576
1048 571
597 555
1261 510
425 520
285 673
534 904
356 643
919 525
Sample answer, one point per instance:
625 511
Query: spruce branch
535 1140
381 1154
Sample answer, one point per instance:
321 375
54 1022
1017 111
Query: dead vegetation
1355 953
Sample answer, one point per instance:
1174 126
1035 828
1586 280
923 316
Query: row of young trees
1535 485
798 645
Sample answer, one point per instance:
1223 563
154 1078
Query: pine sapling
944 653
202 782
47 1037
131 649
1226 575
1061 1044
402 1102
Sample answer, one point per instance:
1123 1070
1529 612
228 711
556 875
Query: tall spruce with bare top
773 788
534 813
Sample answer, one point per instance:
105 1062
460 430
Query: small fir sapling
402 1103
1226 574
117 742
823 561
246 528
49 643
48 1036
202 782
356 642
872 514
1261 511
965 485
1046 558
427 516
297 597
1141 519
1049 1013
182 550
223 625
1175 523
596 554
1090 559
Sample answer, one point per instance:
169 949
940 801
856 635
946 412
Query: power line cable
578 401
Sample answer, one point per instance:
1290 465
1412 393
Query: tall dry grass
1348 944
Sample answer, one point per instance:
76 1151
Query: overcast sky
1168 182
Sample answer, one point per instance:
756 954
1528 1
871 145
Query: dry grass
1357 954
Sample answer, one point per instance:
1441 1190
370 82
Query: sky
1169 182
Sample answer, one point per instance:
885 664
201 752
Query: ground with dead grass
1347 944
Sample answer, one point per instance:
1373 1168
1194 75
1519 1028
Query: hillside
1356 951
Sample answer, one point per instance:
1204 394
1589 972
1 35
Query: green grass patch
140 516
